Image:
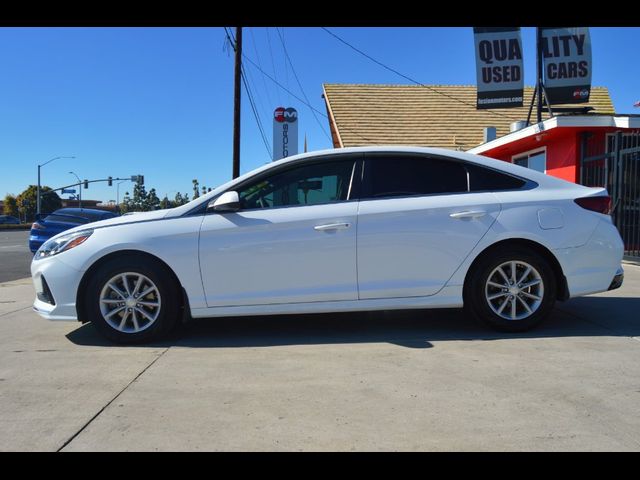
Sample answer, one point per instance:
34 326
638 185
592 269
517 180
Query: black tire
477 291
168 310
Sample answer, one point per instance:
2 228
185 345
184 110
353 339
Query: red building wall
562 145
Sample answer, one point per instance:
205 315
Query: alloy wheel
130 302
514 290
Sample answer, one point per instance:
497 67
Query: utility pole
236 104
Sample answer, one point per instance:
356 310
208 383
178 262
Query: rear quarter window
485 179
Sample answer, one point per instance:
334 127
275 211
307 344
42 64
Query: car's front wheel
511 290
133 300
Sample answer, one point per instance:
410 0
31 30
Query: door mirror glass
227 202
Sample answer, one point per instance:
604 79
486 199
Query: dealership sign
566 55
499 69
285 132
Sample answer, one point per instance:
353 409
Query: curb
631 261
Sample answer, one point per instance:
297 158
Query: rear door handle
331 226
468 214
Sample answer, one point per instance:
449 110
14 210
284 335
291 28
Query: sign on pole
499 68
285 132
566 55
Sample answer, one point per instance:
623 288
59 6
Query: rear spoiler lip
596 192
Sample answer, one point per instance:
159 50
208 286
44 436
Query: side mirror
227 202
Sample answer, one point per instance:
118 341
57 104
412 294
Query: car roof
500 165
81 210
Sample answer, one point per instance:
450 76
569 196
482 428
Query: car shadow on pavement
585 316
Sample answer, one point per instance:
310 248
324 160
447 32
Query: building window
536 160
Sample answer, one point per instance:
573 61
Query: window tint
304 185
389 176
482 179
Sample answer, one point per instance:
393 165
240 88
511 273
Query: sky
159 101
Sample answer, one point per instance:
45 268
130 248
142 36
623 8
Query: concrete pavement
426 380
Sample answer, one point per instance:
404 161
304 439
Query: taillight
37 226
596 204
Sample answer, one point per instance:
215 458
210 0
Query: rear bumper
595 266
35 243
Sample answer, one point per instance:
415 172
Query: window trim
528 154
353 190
528 184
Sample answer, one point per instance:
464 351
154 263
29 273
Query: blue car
9 220
48 225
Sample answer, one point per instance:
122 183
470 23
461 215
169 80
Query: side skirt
448 297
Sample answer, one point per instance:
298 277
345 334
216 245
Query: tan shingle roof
433 115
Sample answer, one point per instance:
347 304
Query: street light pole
79 189
118 194
38 190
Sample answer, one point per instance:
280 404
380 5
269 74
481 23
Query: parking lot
411 380
15 256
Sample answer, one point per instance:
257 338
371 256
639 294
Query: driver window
303 185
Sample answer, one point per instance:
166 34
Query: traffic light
139 179
110 181
86 183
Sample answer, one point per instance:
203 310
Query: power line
295 75
299 99
264 83
273 65
250 96
286 69
255 114
407 77
254 89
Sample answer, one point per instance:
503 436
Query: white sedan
352 229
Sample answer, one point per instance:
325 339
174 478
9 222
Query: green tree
151 201
180 199
165 203
27 202
10 206
196 193
139 198
125 205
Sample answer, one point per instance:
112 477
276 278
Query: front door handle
468 214
331 226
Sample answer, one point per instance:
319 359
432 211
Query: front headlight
62 243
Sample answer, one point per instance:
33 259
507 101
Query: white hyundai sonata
342 230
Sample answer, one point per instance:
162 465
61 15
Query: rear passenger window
485 179
396 176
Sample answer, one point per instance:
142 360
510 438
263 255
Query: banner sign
285 132
566 56
499 68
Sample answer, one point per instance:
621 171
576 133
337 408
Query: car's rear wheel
133 300
511 290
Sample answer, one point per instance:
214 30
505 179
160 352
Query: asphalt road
15 257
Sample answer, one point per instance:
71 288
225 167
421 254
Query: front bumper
617 279
56 285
